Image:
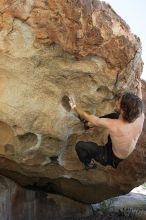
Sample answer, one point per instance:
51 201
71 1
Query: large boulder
50 50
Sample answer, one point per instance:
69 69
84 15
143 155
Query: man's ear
121 111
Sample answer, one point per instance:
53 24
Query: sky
134 13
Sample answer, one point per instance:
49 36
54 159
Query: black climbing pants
102 154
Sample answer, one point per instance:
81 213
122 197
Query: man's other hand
139 92
139 83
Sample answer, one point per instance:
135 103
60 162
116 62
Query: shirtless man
124 130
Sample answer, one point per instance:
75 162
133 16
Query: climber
124 130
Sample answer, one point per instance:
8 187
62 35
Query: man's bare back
124 135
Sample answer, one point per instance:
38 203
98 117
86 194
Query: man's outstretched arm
90 118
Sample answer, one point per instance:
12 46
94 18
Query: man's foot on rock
91 165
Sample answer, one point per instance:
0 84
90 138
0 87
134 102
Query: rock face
19 203
49 50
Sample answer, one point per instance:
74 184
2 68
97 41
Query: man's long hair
132 106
